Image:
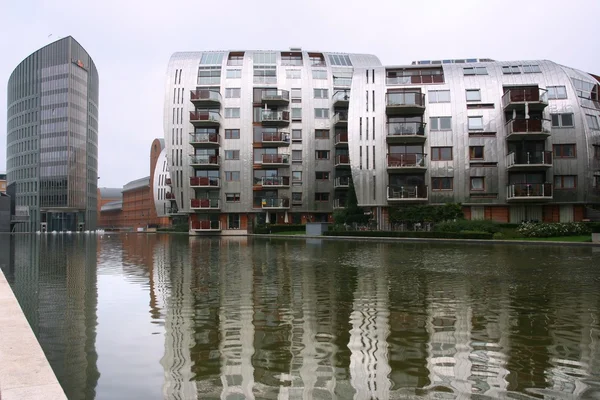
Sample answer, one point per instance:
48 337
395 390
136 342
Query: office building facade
279 136
52 138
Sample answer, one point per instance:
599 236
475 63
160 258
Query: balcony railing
340 118
206 117
275 116
533 97
529 159
206 225
341 138
414 79
406 160
279 137
204 182
275 203
205 204
406 130
524 128
275 96
275 159
339 203
341 182
205 96
529 191
405 103
275 181
207 160
205 138
341 98
407 193
342 159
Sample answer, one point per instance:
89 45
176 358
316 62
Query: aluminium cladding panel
160 188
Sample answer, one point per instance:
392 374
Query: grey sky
131 42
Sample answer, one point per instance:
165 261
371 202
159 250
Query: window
441 153
562 120
596 151
232 133
212 58
232 197
592 121
232 176
265 57
296 113
557 92
319 74
291 58
477 183
321 112
564 151
209 75
530 68
296 94
297 197
439 96
296 155
475 71
342 79
475 123
473 95
321 93
233 220
440 123
296 135
265 74
322 196
293 74
597 181
296 176
233 73
340 59
565 181
232 93
322 175
316 59
232 154
322 154
476 152
232 112
235 59
511 70
441 184
321 134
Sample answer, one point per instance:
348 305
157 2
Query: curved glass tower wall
52 138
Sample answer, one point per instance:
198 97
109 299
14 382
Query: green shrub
498 236
553 229
468 225
411 234
426 213
266 229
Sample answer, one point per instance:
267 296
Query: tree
352 213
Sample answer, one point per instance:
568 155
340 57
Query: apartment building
279 136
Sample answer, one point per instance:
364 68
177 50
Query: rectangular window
322 134
232 197
476 152
322 154
557 92
322 175
296 135
530 68
232 176
296 176
321 93
475 123
440 123
293 74
322 196
321 112
562 120
592 121
232 133
340 59
441 153
233 220
296 155
232 154
511 70
477 183
565 181
441 184
319 74
564 151
265 74
233 73
265 57
232 93
296 197
473 95
596 151
235 59
296 94
475 71
233 112
212 58
439 96
296 114
291 58
209 75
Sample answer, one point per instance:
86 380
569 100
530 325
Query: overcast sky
131 42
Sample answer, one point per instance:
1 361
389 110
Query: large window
296 135
212 58
565 181
441 153
293 74
297 197
291 58
233 73
321 93
232 176
232 133
441 184
232 197
209 75
440 123
477 183
232 93
475 71
232 154
340 59
296 113
592 121
233 112
473 95
557 92
296 176
321 112
511 70
476 152
475 123
265 74
319 74
322 175
322 154
564 151
233 221
562 120
297 156
321 196
439 96
321 133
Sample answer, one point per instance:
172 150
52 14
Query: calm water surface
159 316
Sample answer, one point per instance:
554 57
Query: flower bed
542 230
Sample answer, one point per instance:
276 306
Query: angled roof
112 206
138 183
111 193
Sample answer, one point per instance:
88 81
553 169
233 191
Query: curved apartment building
52 139
278 136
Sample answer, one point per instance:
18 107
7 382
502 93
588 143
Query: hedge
411 234
266 229
553 229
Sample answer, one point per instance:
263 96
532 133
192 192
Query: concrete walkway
25 373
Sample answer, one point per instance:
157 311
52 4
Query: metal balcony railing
275 203
522 127
406 129
206 116
206 225
405 99
275 159
340 118
341 138
275 181
406 160
205 204
275 137
529 190
205 138
203 181
275 116
205 160
276 95
407 192
531 96
341 182
208 95
529 158
342 159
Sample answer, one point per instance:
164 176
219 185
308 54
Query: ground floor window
233 221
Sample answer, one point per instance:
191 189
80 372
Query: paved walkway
25 373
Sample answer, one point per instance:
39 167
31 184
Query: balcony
205 118
529 192
206 97
275 160
168 181
406 132
341 182
341 98
342 160
405 103
406 194
275 181
204 182
339 204
206 226
275 139
406 162
529 161
205 204
170 196
205 161
341 139
275 118
275 97
535 98
275 204
340 119
519 129
172 210
205 139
